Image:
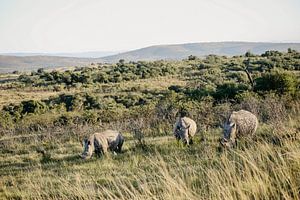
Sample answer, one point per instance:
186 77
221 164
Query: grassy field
267 167
45 115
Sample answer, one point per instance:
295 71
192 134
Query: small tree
249 54
191 57
40 70
122 61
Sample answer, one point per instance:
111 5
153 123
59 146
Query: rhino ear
232 124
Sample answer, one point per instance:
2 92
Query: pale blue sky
112 25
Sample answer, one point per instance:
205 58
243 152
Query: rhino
185 128
239 124
101 142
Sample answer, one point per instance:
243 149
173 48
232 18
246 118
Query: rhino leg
119 147
98 151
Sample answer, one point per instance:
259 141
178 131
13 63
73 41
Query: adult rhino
101 142
239 124
185 128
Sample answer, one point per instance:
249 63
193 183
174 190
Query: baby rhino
185 128
100 143
240 123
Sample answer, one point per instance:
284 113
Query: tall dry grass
264 167
257 169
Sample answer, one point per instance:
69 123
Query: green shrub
175 88
229 90
91 102
6 120
191 57
26 79
63 120
33 106
282 82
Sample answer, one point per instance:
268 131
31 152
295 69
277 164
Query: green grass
257 169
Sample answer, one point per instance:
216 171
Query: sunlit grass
257 169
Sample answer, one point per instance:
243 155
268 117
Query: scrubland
45 115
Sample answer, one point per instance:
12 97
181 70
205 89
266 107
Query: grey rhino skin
239 124
185 128
101 142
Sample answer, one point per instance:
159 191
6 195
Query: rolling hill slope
180 51
28 63
169 52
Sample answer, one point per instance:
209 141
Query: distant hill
28 63
180 51
170 52
87 54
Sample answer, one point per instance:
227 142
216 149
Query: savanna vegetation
45 114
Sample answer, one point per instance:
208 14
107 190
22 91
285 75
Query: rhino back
110 135
245 121
192 124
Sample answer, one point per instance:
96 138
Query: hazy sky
109 25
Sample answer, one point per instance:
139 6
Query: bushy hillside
159 52
28 63
181 51
45 114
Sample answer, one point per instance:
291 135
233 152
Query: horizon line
133 49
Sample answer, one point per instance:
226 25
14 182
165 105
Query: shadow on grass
45 162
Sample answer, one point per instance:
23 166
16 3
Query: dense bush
33 106
229 90
24 108
109 74
212 86
281 82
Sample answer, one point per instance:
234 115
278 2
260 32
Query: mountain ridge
180 51
155 52
83 54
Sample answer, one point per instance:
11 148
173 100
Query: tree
191 57
40 70
249 54
247 65
122 61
